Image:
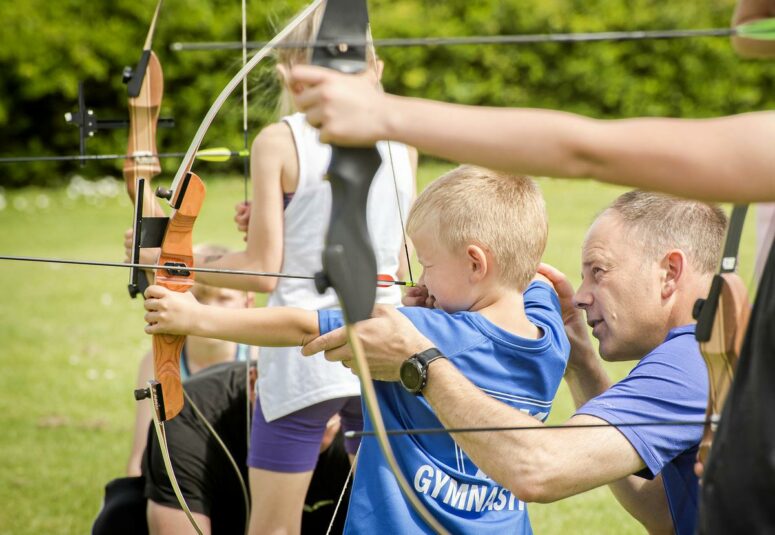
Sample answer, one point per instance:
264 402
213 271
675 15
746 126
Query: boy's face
445 273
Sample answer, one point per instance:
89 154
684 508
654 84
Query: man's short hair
503 213
662 222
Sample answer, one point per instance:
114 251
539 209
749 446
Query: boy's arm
702 159
178 313
748 11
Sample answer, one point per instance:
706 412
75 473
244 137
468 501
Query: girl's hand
170 312
242 217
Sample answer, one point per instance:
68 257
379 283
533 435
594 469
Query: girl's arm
273 170
179 313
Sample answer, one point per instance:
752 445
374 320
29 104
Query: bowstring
245 175
373 50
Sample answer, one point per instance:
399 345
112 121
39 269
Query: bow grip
349 264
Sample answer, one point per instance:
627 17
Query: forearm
646 501
585 376
240 261
269 327
540 465
670 155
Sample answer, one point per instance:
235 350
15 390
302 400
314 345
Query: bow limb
145 89
722 320
188 159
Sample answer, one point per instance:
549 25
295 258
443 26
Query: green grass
71 342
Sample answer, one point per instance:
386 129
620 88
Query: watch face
410 376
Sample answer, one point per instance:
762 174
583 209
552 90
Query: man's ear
477 259
674 264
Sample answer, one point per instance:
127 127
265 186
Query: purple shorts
292 443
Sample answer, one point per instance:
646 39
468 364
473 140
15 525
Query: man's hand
170 312
417 296
349 110
242 217
582 351
388 338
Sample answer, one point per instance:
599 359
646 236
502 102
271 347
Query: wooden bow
722 320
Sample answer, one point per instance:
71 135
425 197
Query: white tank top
287 381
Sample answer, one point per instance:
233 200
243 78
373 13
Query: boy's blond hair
503 213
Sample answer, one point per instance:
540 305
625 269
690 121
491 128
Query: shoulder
276 136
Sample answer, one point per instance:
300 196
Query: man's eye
596 271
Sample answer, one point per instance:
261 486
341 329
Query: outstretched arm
729 158
171 312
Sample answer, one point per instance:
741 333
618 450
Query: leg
283 455
277 501
163 520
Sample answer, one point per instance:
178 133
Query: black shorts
207 479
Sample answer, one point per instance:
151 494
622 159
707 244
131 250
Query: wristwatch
414 370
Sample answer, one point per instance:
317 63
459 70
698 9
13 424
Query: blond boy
479 236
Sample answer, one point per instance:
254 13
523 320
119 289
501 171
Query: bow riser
721 351
177 254
348 258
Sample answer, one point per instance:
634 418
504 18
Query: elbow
533 490
536 481
264 284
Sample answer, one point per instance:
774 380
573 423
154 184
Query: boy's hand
417 296
242 217
349 110
149 255
169 312
573 318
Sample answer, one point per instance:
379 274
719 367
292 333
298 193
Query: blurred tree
47 47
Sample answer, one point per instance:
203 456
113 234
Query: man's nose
582 298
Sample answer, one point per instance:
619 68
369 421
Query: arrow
760 29
382 279
217 154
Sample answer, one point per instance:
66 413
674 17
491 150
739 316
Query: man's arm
179 313
710 155
748 11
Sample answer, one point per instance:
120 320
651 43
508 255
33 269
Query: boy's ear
478 261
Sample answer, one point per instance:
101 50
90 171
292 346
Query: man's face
621 292
444 273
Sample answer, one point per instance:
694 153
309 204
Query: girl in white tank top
286 227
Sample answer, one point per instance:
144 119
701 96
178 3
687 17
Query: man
645 261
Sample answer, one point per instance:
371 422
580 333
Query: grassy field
71 342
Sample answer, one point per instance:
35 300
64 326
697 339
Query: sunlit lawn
71 341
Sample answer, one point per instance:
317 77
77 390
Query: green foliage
47 47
